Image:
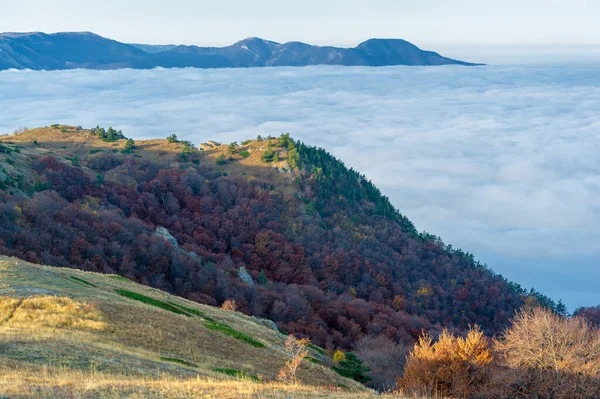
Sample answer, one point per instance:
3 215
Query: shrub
545 355
104 161
452 366
269 155
338 356
232 148
244 154
229 305
542 340
352 367
172 138
129 145
386 359
221 160
591 315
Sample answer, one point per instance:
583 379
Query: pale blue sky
441 23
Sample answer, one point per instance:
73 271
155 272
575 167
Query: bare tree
386 359
542 340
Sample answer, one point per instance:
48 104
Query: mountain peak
256 41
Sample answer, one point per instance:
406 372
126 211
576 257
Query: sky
334 22
502 161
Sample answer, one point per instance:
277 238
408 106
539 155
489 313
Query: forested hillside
329 256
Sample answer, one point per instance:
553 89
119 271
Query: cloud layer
501 161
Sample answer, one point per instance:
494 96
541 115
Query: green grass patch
151 301
120 278
225 329
189 310
316 349
82 281
313 360
178 361
237 374
92 152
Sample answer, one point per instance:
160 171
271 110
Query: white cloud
502 161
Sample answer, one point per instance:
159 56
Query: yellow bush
229 305
338 356
452 366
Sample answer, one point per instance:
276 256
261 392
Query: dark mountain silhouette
40 51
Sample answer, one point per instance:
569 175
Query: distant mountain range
71 50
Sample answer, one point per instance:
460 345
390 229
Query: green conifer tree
353 367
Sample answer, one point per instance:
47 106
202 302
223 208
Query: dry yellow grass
23 381
66 333
51 312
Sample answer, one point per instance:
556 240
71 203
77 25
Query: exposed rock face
166 235
245 276
267 323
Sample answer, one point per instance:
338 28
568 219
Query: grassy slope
65 333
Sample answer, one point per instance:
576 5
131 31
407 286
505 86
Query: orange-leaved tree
297 350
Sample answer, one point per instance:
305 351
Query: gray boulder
165 235
267 323
245 276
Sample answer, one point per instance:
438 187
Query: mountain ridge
87 50
282 228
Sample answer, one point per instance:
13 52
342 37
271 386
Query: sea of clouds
501 161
